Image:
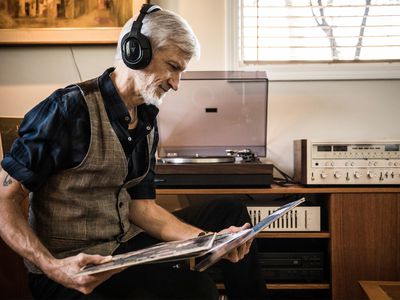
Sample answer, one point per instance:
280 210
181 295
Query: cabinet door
365 241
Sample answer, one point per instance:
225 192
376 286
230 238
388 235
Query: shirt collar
115 107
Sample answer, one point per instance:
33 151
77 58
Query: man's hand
63 271
239 253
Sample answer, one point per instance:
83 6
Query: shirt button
129 139
127 118
148 127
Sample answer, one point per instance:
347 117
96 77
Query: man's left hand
238 253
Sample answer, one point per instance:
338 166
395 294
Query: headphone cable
75 63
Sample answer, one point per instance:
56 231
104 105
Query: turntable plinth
230 175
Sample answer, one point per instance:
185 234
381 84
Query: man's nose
174 81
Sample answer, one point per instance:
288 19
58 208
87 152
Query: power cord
285 180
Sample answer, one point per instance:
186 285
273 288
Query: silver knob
357 174
324 175
337 174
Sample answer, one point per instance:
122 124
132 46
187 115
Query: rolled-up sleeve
145 189
41 146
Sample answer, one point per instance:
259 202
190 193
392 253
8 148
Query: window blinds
317 30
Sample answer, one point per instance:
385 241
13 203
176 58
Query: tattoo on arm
7 181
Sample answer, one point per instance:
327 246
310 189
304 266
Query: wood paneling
365 241
13 276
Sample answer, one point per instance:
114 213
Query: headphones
135 47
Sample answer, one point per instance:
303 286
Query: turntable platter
198 160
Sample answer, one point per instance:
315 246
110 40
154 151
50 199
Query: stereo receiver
347 163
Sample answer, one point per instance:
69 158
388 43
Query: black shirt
55 136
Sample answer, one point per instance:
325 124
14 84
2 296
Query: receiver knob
357 174
337 174
324 175
371 174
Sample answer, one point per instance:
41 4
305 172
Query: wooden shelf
290 286
299 235
298 286
295 189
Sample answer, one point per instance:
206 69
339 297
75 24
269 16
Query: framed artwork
8 133
64 21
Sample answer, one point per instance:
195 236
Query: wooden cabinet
361 234
365 241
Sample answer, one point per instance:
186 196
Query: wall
364 109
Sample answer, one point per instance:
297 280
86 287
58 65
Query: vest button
148 127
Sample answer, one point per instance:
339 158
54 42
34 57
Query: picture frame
33 22
8 133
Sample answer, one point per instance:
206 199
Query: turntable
213 113
198 160
208 172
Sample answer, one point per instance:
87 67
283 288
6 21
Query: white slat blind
317 30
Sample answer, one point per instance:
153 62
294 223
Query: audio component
340 162
301 218
292 266
213 175
285 266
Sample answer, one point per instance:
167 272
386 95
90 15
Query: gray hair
164 28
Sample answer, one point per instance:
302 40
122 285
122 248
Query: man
86 158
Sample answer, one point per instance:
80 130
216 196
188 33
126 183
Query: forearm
160 223
14 228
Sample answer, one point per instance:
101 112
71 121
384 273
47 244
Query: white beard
148 92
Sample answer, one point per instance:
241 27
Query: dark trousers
243 280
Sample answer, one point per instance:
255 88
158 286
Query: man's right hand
64 270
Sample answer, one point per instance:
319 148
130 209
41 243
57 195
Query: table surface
381 290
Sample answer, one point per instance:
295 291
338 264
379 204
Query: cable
76 65
286 180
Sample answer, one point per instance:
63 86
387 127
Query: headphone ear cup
136 51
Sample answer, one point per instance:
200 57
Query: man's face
162 74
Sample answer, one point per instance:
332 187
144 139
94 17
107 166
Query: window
270 31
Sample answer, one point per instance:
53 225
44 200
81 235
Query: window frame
299 71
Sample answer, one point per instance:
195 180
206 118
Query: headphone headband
146 9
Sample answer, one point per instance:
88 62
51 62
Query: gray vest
86 208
